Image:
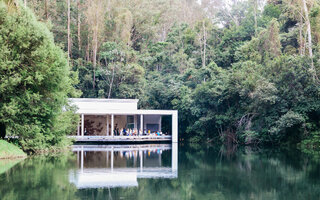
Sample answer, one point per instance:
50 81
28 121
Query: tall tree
306 15
202 31
69 39
301 40
79 25
46 13
35 81
95 14
204 43
255 10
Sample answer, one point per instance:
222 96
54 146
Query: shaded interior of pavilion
124 125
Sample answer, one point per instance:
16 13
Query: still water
162 171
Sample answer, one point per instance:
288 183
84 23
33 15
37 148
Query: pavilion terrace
120 120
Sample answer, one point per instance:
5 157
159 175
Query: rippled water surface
162 171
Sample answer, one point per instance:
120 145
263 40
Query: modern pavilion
117 120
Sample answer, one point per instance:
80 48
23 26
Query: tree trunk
309 37
201 47
69 42
255 18
111 83
88 49
204 44
46 9
2 130
304 43
300 35
79 27
94 59
25 3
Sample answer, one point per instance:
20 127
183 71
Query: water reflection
110 166
205 172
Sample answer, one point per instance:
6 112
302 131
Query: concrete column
160 123
82 160
141 159
112 125
107 125
82 125
107 159
174 157
141 124
175 126
78 129
112 152
78 158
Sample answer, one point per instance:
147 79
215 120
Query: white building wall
104 105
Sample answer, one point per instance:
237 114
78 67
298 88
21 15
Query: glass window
130 122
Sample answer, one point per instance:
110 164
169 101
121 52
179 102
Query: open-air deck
129 139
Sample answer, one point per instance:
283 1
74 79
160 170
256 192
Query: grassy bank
8 150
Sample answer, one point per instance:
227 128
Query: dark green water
164 172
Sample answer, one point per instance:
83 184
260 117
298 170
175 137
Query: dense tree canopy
237 71
35 80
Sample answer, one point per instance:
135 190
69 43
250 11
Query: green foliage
271 11
312 143
263 48
38 173
35 81
237 73
118 75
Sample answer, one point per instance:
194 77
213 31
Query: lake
162 171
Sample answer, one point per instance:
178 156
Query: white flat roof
92 106
127 112
97 100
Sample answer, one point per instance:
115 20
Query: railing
122 138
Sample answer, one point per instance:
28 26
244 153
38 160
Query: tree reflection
211 173
204 173
40 177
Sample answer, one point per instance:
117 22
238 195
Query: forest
238 71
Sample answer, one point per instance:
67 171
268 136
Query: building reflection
108 166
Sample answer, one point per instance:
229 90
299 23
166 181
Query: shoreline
13 157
